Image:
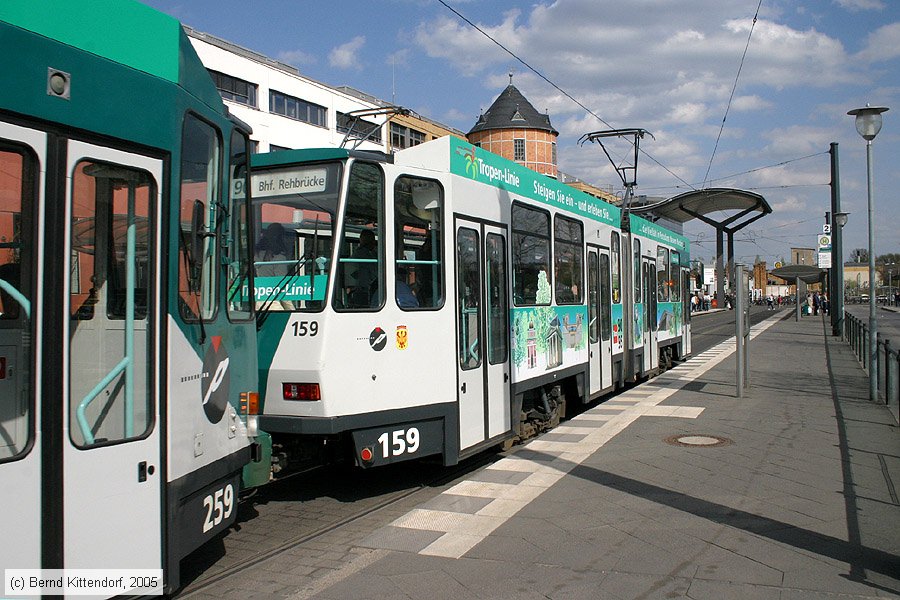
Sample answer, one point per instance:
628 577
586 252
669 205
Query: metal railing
856 332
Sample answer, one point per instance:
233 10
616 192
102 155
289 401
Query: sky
729 102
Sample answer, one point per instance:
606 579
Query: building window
234 89
362 128
404 137
519 150
553 152
295 108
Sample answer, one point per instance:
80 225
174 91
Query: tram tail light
250 403
301 391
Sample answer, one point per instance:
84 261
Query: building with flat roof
288 110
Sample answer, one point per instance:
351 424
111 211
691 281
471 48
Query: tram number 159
218 506
397 443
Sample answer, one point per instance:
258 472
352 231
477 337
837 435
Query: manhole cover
705 441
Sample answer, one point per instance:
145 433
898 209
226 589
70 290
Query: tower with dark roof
512 128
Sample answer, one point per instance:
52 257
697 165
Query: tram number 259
218 506
397 443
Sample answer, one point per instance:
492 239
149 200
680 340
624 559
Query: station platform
676 488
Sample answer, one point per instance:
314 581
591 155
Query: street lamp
868 124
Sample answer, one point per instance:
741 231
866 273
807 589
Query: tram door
111 471
686 311
482 332
651 345
22 156
600 319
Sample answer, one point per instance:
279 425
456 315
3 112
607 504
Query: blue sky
667 66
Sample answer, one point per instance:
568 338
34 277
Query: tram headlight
301 391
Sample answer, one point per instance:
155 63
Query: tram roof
689 205
134 34
302 155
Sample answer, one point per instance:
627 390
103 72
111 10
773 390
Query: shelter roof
699 203
806 273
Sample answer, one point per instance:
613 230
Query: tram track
442 478
328 494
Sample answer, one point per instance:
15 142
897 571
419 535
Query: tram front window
295 210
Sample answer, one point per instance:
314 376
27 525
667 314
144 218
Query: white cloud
688 112
882 44
345 56
795 141
750 103
789 203
857 5
400 57
296 57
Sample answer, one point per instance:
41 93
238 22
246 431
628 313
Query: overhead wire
733 90
555 86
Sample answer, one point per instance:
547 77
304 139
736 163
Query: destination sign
266 184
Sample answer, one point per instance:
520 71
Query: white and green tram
444 300
123 355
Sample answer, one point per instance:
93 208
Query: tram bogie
444 300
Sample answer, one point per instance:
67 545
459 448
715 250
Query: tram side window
418 221
18 169
568 244
112 250
497 299
238 284
360 275
106 206
200 156
616 268
605 314
468 298
663 275
530 256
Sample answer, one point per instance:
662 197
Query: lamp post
868 124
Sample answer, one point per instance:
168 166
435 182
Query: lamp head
840 218
868 120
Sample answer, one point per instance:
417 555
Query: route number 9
402 441
218 506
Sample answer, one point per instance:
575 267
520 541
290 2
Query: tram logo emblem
378 339
471 161
402 337
216 388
